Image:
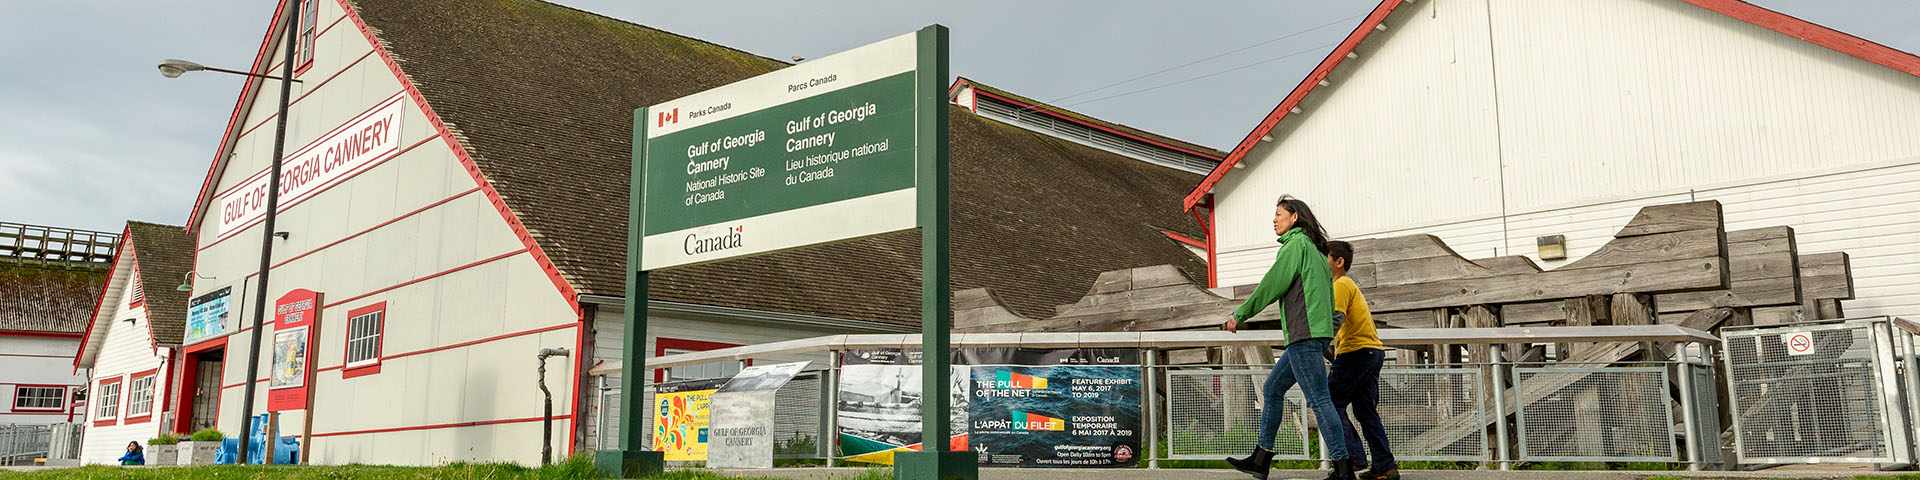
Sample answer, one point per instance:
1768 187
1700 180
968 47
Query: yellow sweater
1356 332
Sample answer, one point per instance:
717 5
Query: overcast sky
91 135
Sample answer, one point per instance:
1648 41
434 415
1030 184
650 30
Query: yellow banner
680 424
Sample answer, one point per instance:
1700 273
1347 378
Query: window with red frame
140 389
109 400
309 18
669 346
39 398
365 328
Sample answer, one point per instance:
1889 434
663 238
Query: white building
49 279
1491 123
456 189
130 342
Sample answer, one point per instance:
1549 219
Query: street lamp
173 69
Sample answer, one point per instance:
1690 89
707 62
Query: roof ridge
662 30
1215 153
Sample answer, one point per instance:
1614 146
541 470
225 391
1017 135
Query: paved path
1184 474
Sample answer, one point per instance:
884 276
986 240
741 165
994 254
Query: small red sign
296 317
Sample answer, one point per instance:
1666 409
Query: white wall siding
36 361
1871 213
128 349
467 307
1414 113
1603 107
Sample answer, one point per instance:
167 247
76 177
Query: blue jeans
1303 363
1355 381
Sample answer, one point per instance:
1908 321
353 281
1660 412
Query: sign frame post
929 177
934 460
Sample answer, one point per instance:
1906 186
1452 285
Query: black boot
1341 471
1255 464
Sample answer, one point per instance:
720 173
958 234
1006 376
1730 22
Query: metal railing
1658 410
1841 391
21 444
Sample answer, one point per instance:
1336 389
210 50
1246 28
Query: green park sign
843 147
817 152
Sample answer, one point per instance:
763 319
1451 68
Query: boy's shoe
1256 464
1341 471
1390 474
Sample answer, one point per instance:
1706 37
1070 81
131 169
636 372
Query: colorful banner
295 317
1013 407
207 315
680 419
1054 408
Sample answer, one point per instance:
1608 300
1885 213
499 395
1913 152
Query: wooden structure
37 245
1671 264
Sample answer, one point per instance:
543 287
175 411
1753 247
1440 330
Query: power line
1183 65
1320 48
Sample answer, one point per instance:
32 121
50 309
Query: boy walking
1355 376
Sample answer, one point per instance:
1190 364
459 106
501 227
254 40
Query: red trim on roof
125 237
239 105
978 93
560 283
1759 16
33 333
1814 33
1299 94
1184 239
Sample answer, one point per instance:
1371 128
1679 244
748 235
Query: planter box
198 453
163 454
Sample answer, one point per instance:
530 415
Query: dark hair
1316 234
1339 250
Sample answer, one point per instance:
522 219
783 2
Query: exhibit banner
1014 407
1054 407
681 418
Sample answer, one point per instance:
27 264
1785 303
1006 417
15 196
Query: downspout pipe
546 425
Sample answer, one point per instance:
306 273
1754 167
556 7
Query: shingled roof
164 254
542 98
49 299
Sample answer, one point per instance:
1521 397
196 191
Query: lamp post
173 69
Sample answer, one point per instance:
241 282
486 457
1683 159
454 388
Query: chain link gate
1827 391
1421 406
1596 414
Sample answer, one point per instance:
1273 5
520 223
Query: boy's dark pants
1355 380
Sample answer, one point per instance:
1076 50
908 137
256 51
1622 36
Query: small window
365 326
109 401
48 399
309 17
700 371
135 297
140 397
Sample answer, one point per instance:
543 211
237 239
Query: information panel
817 152
207 315
680 420
1012 407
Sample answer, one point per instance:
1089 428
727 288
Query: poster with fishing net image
1054 407
879 406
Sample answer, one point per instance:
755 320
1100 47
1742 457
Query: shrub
164 439
208 435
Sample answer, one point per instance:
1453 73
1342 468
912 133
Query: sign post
847 146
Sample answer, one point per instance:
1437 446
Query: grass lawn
576 469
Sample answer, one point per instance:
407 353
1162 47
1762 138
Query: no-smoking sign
1798 343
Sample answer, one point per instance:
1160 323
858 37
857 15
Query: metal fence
1829 391
21 444
1652 411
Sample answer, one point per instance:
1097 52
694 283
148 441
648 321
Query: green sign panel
814 153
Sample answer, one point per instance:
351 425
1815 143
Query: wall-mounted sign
296 316
207 315
354 146
813 153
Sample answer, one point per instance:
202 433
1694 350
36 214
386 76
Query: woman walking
1302 284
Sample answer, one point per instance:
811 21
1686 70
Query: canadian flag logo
668 117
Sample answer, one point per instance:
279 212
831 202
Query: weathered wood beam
1653 276
1761 267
